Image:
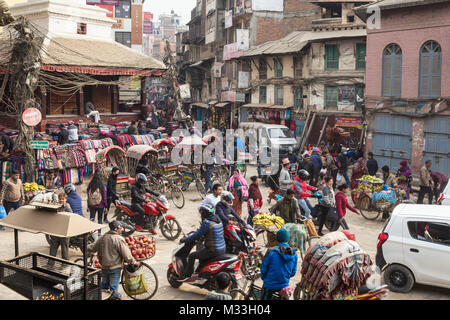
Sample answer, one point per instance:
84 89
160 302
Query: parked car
414 247
444 197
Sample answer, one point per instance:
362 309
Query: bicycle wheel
170 229
151 280
369 214
200 188
177 196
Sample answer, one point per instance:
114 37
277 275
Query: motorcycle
207 270
155 215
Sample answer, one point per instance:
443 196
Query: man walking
113 252
111 191
372 164
425 183
12 195
285 177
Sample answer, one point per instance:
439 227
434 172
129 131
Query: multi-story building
406 75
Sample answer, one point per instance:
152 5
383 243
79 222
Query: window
262 94
435 232
350 18
360 56
298 98
331 97
123 10
430 70
331 57
297 67
124 38
279 95
262 69
278 68
392 71
280 133
81 28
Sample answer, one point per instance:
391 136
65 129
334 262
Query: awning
212 103
280 107
200 104
222 104
196 64
265 106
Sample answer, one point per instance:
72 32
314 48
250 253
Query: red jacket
342 205
301 187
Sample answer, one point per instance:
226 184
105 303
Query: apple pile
141 247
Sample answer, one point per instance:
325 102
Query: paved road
366 235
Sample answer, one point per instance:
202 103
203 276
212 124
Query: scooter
206 271
155 214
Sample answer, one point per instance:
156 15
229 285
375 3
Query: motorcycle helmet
227 198
141 178
69 188
303 174
205 210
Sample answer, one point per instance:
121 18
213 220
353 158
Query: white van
414 247
276 135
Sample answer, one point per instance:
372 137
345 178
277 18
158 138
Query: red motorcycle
155 214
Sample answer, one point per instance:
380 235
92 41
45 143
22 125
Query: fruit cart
38 276
362 196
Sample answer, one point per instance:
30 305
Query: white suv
414 247
444 197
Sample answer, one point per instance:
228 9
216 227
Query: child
255 200
223 284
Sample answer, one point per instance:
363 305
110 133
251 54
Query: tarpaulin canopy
59 224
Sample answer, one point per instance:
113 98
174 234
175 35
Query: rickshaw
113 156
148 157
164 148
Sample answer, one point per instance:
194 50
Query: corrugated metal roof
297 40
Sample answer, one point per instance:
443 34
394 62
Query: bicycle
250 291
151 279
168 184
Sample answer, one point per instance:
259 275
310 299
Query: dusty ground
366 235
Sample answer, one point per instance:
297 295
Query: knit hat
282 235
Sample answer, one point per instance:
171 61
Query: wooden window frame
328 61
436 54
326 94
398 54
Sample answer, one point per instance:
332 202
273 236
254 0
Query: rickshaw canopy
138 151
158 142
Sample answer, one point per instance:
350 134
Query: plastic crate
35 275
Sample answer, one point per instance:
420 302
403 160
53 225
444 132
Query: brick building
407 76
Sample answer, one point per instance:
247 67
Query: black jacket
63 136
372 166
111 187
138 192
308 166
223 212
342 162
8 143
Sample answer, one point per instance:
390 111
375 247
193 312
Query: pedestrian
388 177
97 198
328 202
439 183
308 166
7 143
142 129
301 189
63 135
287 208
342 205
239 188
74 199
279 266
12 195
329 164
111 191
113 252
342 164
285 177
316 161
404 178
255 200
132 129
359 169
90 111
372 164
209 168
425 183
73 133
223 284
213 198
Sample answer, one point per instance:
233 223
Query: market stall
39 276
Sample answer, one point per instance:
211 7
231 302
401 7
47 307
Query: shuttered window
279 95
278 68
331 97
392 71
360 56
331 57
297 67
430 70
262 69
298 97
262 94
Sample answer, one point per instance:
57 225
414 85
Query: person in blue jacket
214 244
316 160
74 199
279 266
224 209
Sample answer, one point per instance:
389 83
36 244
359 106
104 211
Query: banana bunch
266 220
372 179
32 186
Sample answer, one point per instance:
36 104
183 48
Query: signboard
346 94
348 122
148 16
119 24
228 19
135 83
39 144
225 84
31 117
231 51
110 9
242 36
147 27
232 96
185 91
243 79
217 70
240 97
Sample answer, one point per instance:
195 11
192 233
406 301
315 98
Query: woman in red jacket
342 205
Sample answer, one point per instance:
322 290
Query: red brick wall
298 5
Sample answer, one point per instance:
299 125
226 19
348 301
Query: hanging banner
217 70
231 51
31 117
225 85
147 27
346 94
119 24
348 122
185 91
242 36
228 19
148 16
243 79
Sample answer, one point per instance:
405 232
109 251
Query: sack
311 228
332 215
94 198
340 179
2 212
134 283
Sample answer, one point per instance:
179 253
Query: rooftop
361 11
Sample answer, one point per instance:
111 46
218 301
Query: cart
144 154
362 198
113 156
39 276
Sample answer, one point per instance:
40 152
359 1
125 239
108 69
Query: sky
181 7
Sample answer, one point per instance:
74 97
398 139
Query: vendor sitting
90 111
52 181
7 143
73 132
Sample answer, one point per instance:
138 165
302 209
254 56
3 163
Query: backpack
94 198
